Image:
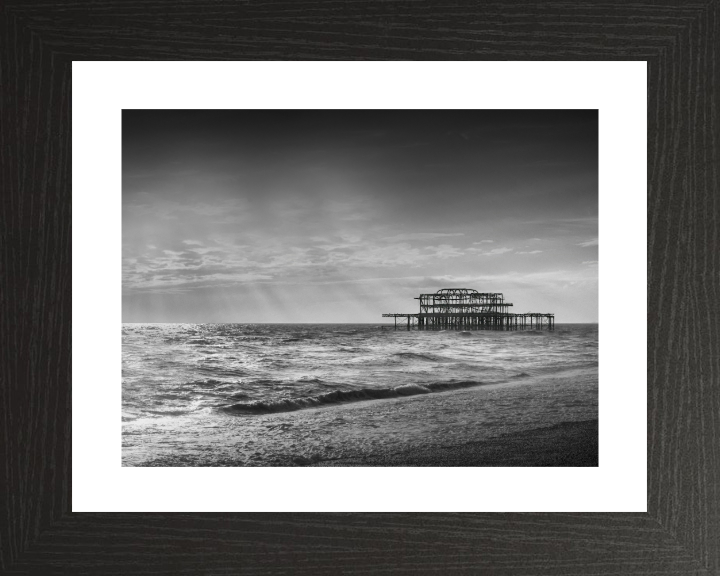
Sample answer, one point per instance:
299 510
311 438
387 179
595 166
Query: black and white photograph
360 288
315 288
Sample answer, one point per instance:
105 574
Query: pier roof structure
465 308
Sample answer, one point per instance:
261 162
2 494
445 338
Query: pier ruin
468 309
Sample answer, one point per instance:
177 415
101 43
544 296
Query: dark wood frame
680 533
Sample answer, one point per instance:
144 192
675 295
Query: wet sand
570 444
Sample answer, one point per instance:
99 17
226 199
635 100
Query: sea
300 394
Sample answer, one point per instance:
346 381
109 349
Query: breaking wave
416 356
343 396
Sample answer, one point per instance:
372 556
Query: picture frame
680 532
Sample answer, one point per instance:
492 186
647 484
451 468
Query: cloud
444 251
246 257
531 252
420 236
485 242
175 284
515 280
593 242
204 250
590 262
496 251
493 252
565 221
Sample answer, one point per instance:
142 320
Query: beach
358 396
567 444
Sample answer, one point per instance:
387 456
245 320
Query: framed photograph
260 247
216 206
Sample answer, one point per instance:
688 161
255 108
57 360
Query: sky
343 215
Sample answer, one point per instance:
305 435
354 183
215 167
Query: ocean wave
169 412
211 386
222 372
265 381
344 396
171 396
310 380
417 356
205 383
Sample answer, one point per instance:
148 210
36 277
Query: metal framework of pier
468 309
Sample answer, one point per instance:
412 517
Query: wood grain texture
680 534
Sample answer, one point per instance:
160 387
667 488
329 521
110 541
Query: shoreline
568 444
548 420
